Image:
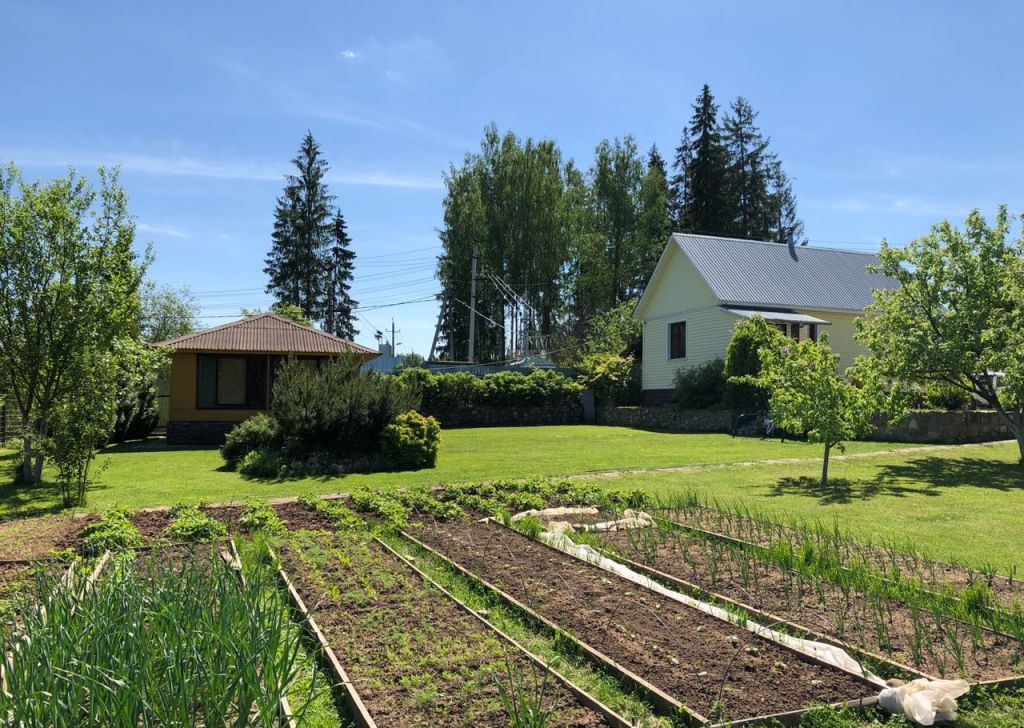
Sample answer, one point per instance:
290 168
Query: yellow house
221 376
703 285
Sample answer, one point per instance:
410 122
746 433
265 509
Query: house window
677 340
231 382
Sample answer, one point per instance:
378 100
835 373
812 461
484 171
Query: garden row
412 620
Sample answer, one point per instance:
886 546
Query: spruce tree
700 185
786 226
750 165
302 234
339 317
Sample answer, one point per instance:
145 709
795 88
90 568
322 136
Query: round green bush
261 464
260 432
411 441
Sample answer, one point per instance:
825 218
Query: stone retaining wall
922 426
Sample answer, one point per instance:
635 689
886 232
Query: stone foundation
507 416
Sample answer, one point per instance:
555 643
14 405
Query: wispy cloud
253 171
349 54
167 232
399 60
890 204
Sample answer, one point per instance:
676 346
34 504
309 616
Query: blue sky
889 116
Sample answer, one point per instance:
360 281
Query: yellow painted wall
183 395
840 332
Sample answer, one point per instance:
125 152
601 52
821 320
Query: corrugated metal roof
778 316
758 273
265 333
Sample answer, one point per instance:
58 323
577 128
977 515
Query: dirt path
773 461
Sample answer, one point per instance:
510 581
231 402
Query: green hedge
538 388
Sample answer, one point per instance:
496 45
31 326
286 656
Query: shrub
615 379
411 441
113 531
701 386
191 525
256 433
743 359
540 387
261 464
944 396
451 391
336 409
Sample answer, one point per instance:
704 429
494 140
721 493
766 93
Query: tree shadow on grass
843 490
925 476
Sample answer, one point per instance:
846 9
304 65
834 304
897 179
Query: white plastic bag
924 701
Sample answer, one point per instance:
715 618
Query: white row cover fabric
924 701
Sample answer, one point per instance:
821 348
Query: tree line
576 243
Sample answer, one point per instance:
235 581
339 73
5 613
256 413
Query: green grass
139 475
965 502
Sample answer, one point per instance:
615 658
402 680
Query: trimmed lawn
150 474
966 502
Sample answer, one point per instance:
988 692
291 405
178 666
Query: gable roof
265 333
760 273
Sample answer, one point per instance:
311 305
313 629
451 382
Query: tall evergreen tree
655 221
748 172
302 234
700 184
787 227
339 307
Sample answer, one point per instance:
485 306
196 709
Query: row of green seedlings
864 615
498 499
898 568
114 531
155 641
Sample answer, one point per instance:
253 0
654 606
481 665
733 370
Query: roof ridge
177 340
769 242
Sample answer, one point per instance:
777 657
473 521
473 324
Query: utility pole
393 338
472 309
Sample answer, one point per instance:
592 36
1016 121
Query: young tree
167 312
809 394
700 185
69 289
958 314
339 314
302 232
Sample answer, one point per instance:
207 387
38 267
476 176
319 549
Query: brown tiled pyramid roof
265 333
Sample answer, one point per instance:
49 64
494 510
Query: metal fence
10 424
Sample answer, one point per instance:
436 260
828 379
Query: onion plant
153 642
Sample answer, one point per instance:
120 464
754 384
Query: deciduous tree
957 316
69 289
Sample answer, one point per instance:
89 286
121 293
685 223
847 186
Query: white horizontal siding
708 331
841 330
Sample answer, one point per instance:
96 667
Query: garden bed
714 668
412 654
890 559
873 623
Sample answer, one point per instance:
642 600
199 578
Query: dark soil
873 623
940 575
710 665
295 517
415 658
